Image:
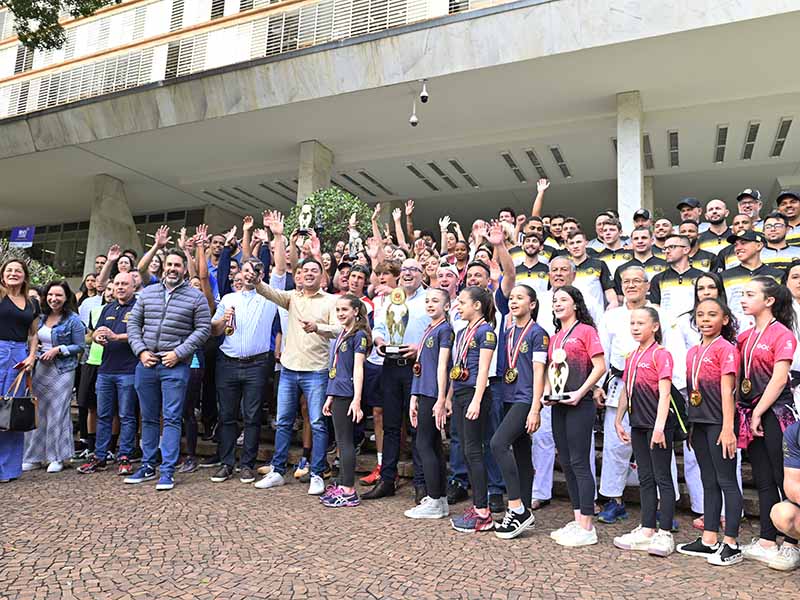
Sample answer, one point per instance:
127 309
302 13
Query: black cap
690 202
786 194
746 236
749 193
642 213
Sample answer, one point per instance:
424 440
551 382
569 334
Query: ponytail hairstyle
582 314
478 294
782 309
532 297
728 331
362 319
655 318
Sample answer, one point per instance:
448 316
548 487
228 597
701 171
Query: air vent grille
561 162
537 164
780 139
674 148
418 174
513 166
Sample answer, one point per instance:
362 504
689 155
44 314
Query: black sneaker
209 433
210 462
224 473
726 556
247 475
514 524
697 548
496 503
93 466
456 492
135 455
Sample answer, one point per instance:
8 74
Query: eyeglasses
674 246
410 270
627 282
772 226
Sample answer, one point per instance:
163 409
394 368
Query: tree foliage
332 210
41 274
36 21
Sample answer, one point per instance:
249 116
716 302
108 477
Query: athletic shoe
189 465
662 544
698 548
240 440
224 473
471 521
111 457
578 536
165 483
726 556
247 475
270 480
420 492
537 504
210 462
125 467
330 492
55 467
143 473
514 524
613 512
456 492
31 466
93 466
755 551
264 469
136 454
699 523
555 535
373 476
635 540
788 558
674 525
317 486
429 509
80 455
342 500
302 468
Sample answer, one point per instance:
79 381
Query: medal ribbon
463 348
513 354
563 341
337 346
748 364
428 330
634 369
698 364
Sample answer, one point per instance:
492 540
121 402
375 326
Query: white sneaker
578 536
55 467
559 532
787 559
635 540
662 544
317 486
444 506
427 509
31 466
755 551
270 480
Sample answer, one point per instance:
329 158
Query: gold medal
511 375
695 398
464 374
747 386
559 356
455 373
417 369
332 373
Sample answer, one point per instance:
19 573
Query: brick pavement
91 537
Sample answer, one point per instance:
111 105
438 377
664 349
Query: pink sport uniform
721 358
776 344
581 346
654 364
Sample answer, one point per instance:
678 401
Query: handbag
19 413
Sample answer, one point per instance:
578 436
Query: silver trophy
557 374
304 219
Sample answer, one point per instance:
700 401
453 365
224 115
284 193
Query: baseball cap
749 193
642 213
746 236
690 202
787 194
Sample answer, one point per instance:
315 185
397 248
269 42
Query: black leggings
193 396
511 448
472 434
429 446
766 457
655 477
719 479
572 433
343 428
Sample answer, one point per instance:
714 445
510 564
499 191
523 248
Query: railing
152 41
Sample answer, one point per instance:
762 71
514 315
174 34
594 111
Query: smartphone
19 366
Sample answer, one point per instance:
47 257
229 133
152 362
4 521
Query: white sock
519 510
380 458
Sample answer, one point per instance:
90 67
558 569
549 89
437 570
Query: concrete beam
630 183
314 170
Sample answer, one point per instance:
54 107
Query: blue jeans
313 384
160 389
115 395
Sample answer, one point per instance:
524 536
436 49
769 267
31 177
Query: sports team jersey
426 382
582 344
734 281
652 365
713 243
517 254
780 258
533 349
791 446
718 359
548 253
659 252
777 343
726 259
703 260
652 266
344 353
593 278
485 339
673 291
536 277
614 258
793 236
502 320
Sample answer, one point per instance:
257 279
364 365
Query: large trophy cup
304 219
557 374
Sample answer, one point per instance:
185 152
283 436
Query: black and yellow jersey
536 277
703 260
614 258
735 279
713 243
780 258
652 266
593 278
793 236
726 259
673 291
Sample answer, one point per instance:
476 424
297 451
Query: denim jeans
240 383
115 395
313 384
161 389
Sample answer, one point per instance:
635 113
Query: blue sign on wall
22 237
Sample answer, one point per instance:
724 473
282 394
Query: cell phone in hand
19 366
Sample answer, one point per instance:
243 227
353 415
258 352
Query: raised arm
247 234
114 252
375 221
497 239
274 222
409 210
538 201
444 223
398 227
160 240
201 236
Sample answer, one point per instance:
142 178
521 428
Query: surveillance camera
423 95
413 121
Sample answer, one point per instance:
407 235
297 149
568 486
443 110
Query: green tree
332 209
36 21
41 274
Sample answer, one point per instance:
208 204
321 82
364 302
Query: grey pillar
630 183
314 171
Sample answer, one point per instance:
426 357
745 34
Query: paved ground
71 536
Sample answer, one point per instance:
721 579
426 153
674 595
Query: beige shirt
306 351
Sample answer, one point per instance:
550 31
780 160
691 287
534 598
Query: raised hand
114 252
276 223
247 223
182 239
496 235
373 247
409 207
230 236
396 214
376 212
352 222
201 233
521 220
542 184
444 223
161 237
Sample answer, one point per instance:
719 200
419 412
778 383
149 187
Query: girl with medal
711 369
428 408
526 354
345 384
646 397
764 407
576 347
471 399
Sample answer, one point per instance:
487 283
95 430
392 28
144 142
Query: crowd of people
516 343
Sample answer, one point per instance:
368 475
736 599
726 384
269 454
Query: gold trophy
557 374
230 323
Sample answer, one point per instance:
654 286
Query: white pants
617 471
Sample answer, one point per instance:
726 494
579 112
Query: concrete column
630 183
314 171
648 199
111 221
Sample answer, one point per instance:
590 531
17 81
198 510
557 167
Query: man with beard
777 253
592 278
662 229
727 258
642 243
532 272
691 210
214 254
699 259
673 289
749 203
714 239
788 204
